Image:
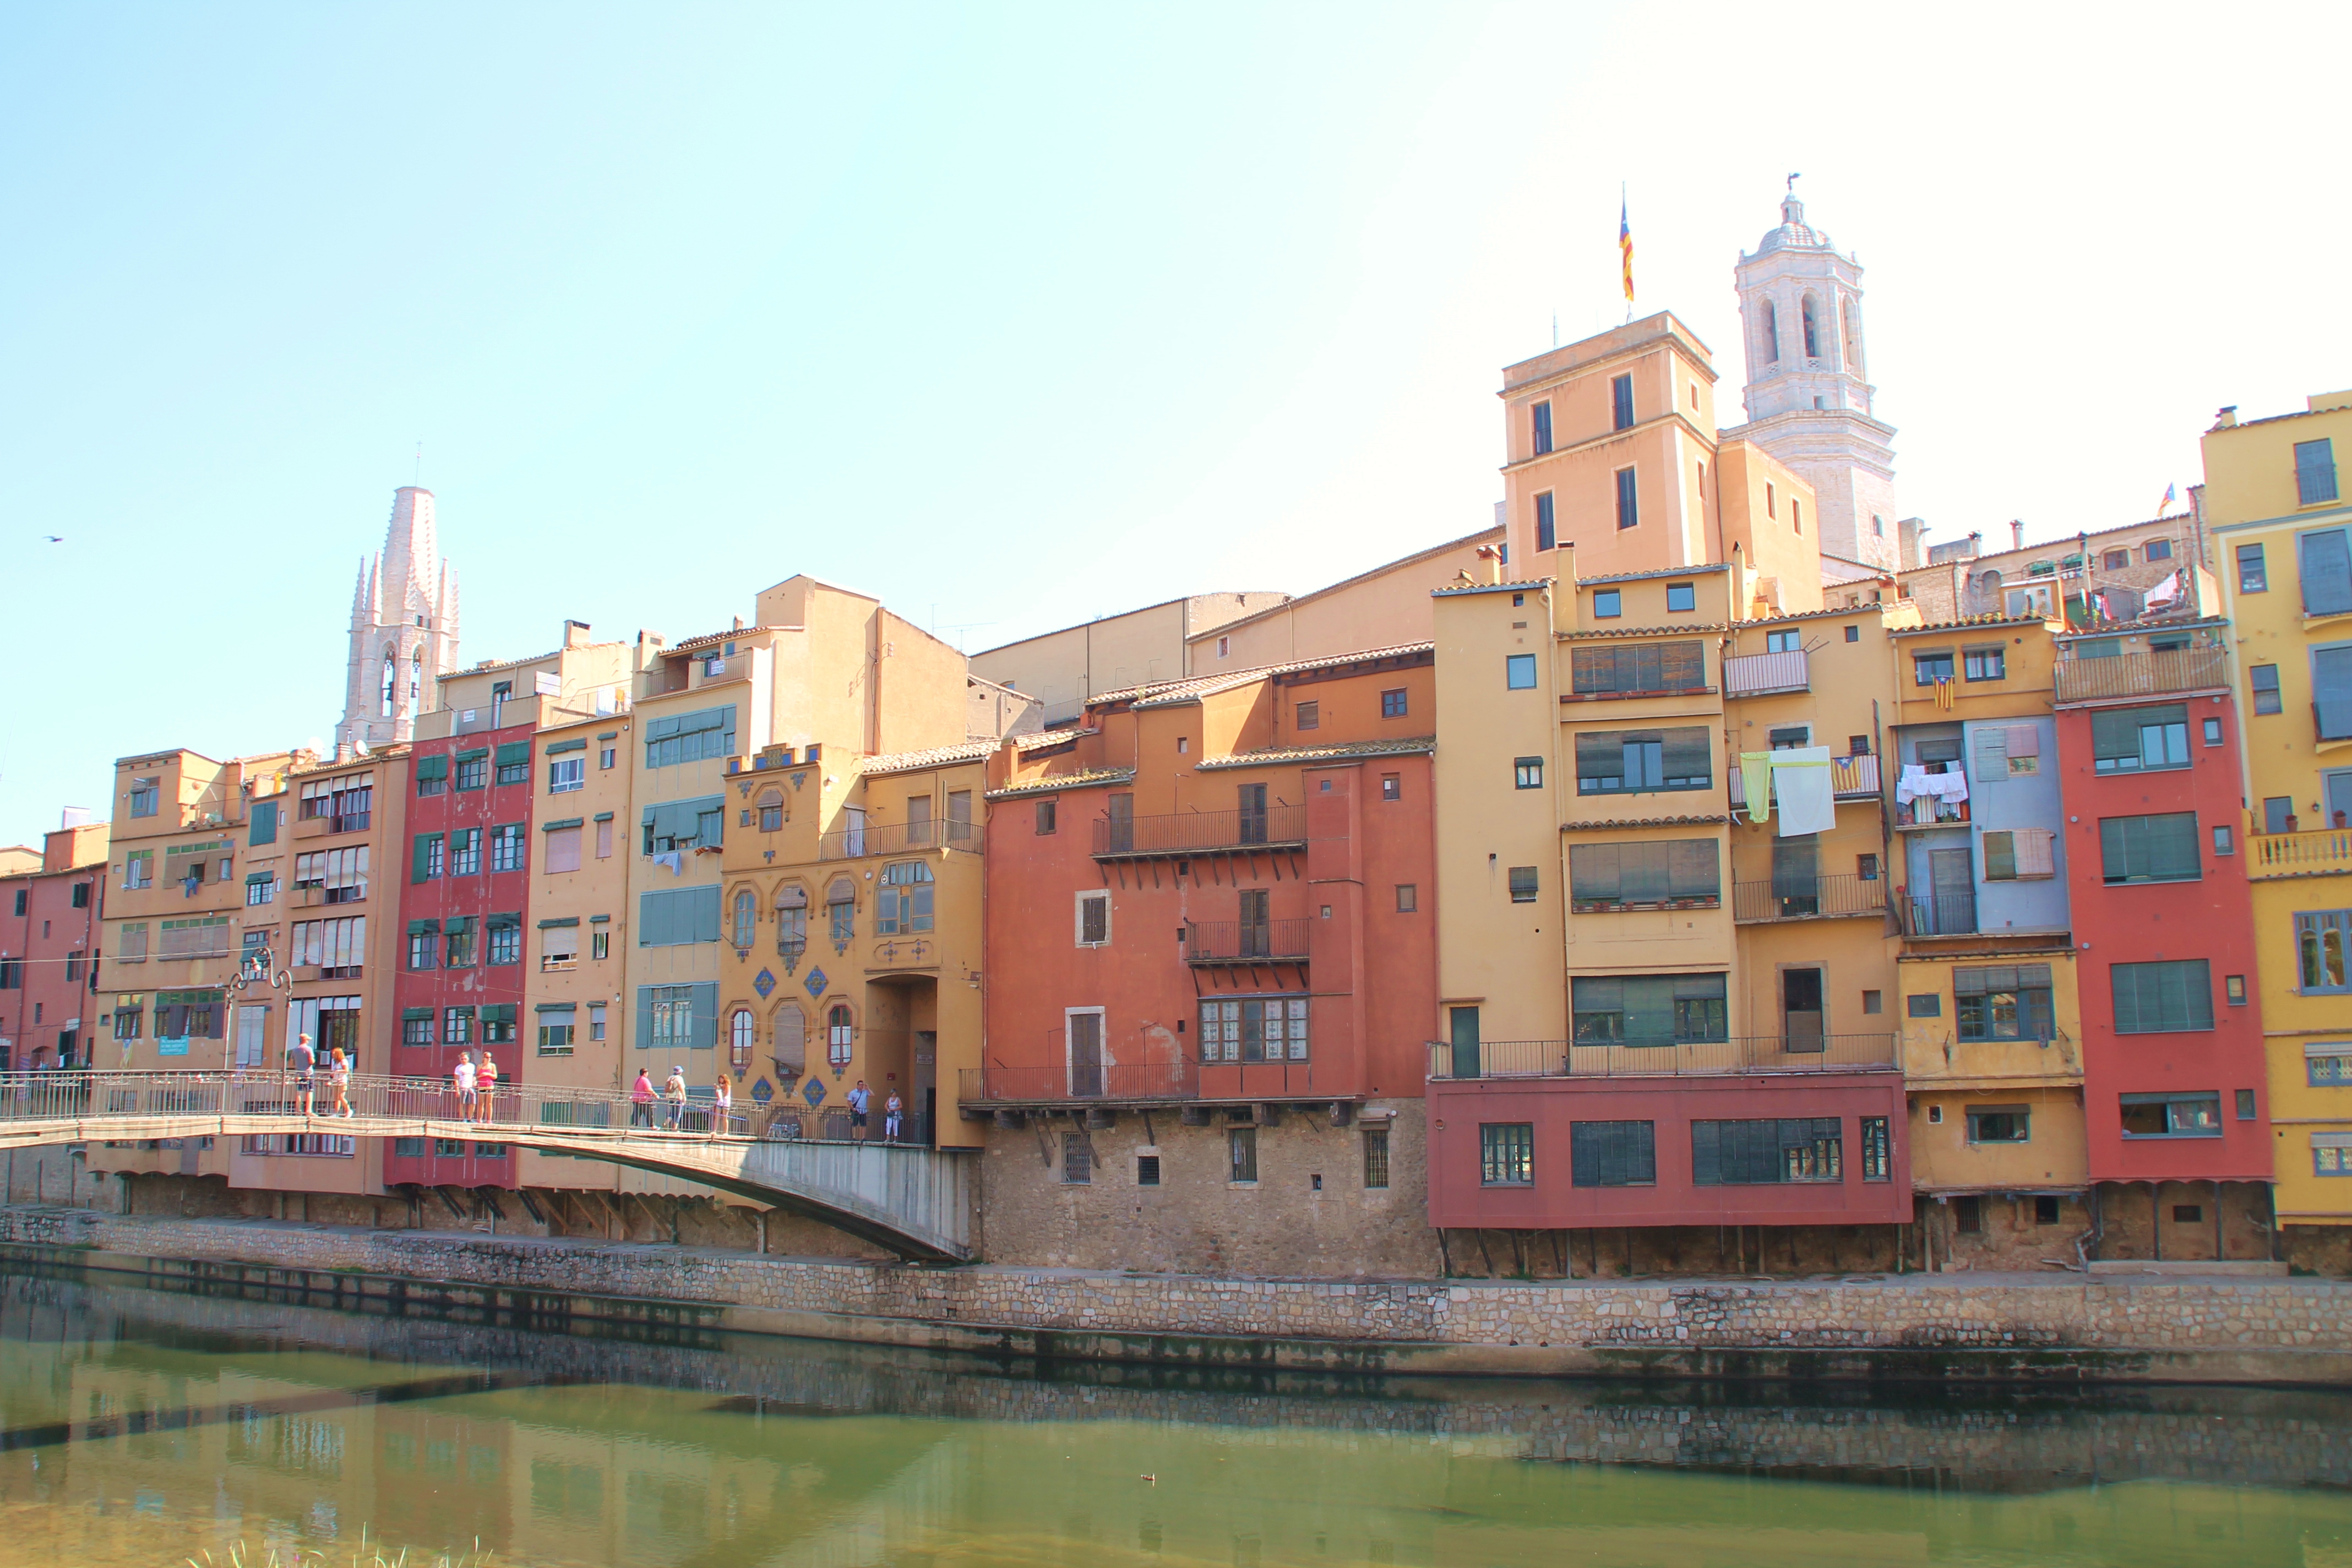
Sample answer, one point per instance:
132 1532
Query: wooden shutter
1687 753
1693 869
2000 856
1592 670
1796 867
1681 667
1593 871
1641 873
1601 753
1991 748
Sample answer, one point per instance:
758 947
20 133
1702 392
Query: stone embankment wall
2230 1329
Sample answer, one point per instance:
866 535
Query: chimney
2017 533
738 622
2227 418
575 633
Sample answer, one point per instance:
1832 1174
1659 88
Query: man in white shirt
461 1078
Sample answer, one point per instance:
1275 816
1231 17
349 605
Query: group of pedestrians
673 1100
476 1085
304 1070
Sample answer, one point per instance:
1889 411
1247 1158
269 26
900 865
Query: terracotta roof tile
1277 756
1065 780
937 756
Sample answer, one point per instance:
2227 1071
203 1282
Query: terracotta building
51 902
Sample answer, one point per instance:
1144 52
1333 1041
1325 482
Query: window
1393 704
2115 560
2251 579
1612 1153
2326 566
772 811
457 1025
841 909
1796 515
1608 603
904 904
1762 1152
2265 681
261 887
1655 667
2320 939
608 756
739 1037
605 837
2161 998
1620 402
1391 786
1924 1006
556 1025
416 1026
2171 1115
505 846
458 949
1771 501
840 1036
1985 663
506 939
678 917
424 943
2278 811
2331 690
130 939
1650 1009
1877 1150
691 737
565 774
1523 884
1541 415
466 852
600 943
1253 1029
1376 1158
1506 1154
2212 731
1681 597
791 922
1225 647
2315 472
146 797
337 947
1077 1160
676 825
1927 668
561 850
2221 840
559 946
514 762
1518 675
1629 502
449 1148
473 769
1527 772
2160 849
2328 1066
1093 926
677 1017
1999 1124
1045 816
2137 740
1547 523
138 871
2331 1153
1408 897
1633 762
747 917
1874 1001
1603 876
1241 1150
1147 1170
1784 642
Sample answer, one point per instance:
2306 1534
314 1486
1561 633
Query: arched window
792 1040
1772 333
1850 315
1813 331
841 909
390 680
771 810
416 676
739 1039
792 922
746 914
837 1031
905 904
1877 526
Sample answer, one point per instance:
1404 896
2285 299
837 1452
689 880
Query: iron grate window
1612 1153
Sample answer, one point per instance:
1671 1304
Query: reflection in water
141 1426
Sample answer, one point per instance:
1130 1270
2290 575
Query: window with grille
1766 1152
506 941
466 852
1241 1152
506 848
1376 1157
1685 872
2162 998
1253 1029
459 944
416 1026
424 943
1077 1160
457 1025
514 763
2315 472
473 769
1877 1150
1612 1153
1506 1154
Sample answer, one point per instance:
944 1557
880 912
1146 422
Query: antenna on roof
417 477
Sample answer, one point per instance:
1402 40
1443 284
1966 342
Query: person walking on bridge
722 1098
641 1102
339 1078
301 1063
673 1090
461 1078
485 1081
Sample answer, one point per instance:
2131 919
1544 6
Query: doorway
1465 1024
1953 877
1086 1055
1801 1011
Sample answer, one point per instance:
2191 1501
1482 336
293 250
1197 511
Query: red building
465 896
1209 906
48 951
2173 1082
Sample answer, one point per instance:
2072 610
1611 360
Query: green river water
151 1427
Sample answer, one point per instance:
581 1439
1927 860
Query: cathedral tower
404 628
1808 398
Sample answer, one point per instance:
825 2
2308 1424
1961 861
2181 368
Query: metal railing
1111 1083
1242 942
1851 778
1762 674
900 838
1202 832
2313 854
1928 811
1947 914
1677 1059
1823 896
2143 674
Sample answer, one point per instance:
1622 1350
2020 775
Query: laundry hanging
1801 779
1755 782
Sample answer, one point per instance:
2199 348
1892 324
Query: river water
151 1427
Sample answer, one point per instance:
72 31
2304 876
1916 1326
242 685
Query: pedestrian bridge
916 1202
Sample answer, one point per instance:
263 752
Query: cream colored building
1063 668
1384 607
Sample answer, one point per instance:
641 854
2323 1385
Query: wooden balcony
2167 673
1766 674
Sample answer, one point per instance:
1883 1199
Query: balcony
1927 811
1680 1058
1149 1083
898 838
2166 672
1766 674
1851 778
1200 833
1948 914
2325 852
1242 942
1830 897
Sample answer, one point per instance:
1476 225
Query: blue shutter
264 823
704 903
651 924
644 1017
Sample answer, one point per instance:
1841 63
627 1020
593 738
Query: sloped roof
1277 756
936 756
1087 780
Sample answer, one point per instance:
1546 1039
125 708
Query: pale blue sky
1031 313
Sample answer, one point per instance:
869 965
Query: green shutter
705 1037
644 1018
264 823
433 767
2000 856
559 925
559 747
653 919
421 857
477 754
559 825
410 1015
513 752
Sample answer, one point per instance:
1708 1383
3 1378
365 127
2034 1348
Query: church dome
1793 233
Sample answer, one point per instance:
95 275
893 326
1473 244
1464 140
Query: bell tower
404 628
1808 397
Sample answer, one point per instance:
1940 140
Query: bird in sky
55 538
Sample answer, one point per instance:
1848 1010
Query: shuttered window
2160 998
677 917
1761 1152
1650 1009
1797 868
1624 876
691 737
2005 1002
1638 667
696 823
1635 762
2160 849
2134 740
677 1017
1506 1154
2331 690
1613 1153
2327 572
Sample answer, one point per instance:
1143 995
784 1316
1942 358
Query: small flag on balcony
1943 692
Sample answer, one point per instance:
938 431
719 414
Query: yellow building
2275 508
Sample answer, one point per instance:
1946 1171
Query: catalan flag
1626 245
2171 494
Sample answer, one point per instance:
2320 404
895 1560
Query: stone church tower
1808 397
404 628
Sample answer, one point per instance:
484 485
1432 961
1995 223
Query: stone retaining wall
2026 1315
